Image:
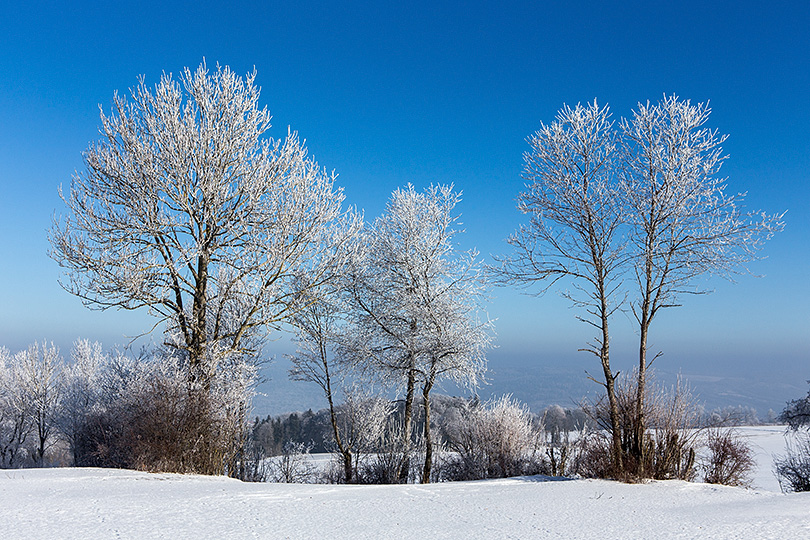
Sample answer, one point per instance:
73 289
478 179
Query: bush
149 416
729 459
293 466
670 442
493 440
793 469
384 465
592 456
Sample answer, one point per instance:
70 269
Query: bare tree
574 227
797 413
318 326
457 337
683 224
416 303
186 208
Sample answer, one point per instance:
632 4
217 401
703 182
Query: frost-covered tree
457 339
81 381
682 222
319 326
574 233
796 413
40 368
16 421
188 209
638 208
416 303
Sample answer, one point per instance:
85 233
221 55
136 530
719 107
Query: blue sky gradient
427 92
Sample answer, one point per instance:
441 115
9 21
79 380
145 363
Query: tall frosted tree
575 217
39 369
683 224
188 209
16 410
81 391
417 303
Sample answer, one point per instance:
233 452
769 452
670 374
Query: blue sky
432 92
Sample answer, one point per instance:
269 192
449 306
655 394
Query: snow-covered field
96 503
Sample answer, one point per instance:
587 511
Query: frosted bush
493 440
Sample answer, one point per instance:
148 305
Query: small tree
797 413
16 420
80 391
415 303
318 326
364 419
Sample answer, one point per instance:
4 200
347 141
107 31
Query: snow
104 503
767 442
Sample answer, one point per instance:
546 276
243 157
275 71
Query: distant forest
313 430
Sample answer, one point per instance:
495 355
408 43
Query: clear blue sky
432 92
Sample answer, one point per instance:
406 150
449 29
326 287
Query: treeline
314 431
141 411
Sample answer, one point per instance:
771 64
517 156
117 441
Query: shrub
592 455
493 440
793 469
729 458
384 465
149 416
293 466
670 442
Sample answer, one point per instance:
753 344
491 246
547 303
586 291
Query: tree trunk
43 438
610 386
426 470
615 425
199 335
405 466
640 427
345 452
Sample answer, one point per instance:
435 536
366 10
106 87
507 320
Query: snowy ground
766 441
96 503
